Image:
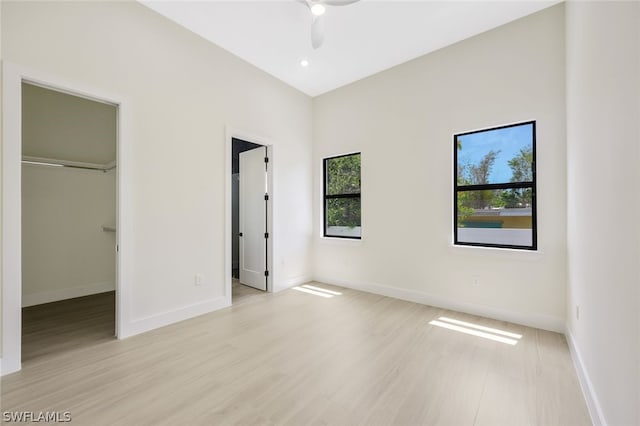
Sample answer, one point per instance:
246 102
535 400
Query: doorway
13 77
250 222
69 227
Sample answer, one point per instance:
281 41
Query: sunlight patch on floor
478 330
317 291
324 290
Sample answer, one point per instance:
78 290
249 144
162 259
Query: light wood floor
54 328
241 293
295 358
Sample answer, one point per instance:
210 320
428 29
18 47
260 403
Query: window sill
522 254
340 240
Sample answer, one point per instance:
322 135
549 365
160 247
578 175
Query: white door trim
230 134
12 77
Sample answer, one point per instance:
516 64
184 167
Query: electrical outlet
577 312
199 279
475 281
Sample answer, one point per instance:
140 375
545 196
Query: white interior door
253 218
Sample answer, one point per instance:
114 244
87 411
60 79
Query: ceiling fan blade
338 2
317 31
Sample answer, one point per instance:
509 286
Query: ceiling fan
318 8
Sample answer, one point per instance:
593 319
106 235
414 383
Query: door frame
230 134
12 78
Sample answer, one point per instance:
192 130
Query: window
495 187
342 196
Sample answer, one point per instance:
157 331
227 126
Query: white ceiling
361 39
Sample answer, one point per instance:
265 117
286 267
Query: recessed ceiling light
317 9
304 63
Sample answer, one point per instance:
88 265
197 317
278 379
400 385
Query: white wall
402 120
603 139
182 92
65 252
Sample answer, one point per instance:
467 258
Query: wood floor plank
294 358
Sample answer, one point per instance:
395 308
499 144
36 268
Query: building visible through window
342 212
495 187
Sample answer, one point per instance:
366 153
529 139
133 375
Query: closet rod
70 165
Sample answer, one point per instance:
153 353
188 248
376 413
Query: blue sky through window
509 141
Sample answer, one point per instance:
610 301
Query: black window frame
326 196
493 186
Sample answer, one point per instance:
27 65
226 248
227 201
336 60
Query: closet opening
69 221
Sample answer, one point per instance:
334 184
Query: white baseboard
66 293
166 318
593 404
545 322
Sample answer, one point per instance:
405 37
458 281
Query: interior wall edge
11 219
602 298
541 321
